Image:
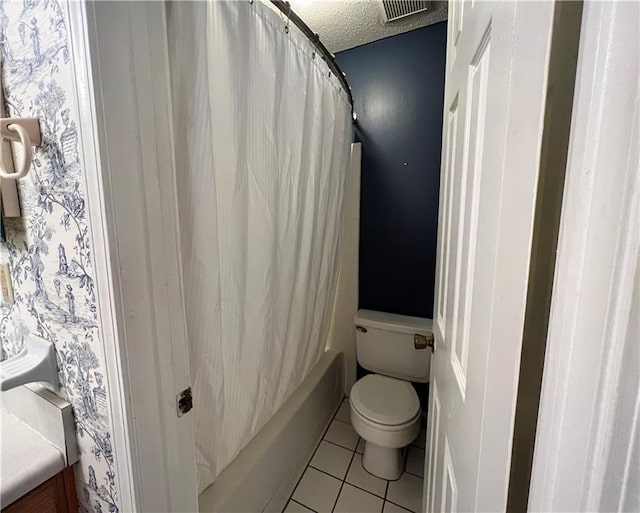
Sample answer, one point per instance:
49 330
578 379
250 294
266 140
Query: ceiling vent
395 9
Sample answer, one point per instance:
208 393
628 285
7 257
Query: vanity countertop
26 459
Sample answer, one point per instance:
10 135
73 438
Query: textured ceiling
344 24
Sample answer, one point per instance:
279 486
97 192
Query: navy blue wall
398 91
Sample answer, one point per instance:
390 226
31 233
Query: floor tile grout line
313 454
328 473
359 487
368 491
303 472
399 505
338 445
324 472
342 484
344 481
350 484
303 505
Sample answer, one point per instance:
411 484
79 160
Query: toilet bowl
385 412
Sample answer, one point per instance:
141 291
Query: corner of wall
341 333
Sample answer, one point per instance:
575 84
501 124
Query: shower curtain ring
286 27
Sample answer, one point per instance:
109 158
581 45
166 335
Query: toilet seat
385 401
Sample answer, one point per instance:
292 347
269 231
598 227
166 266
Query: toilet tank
394 345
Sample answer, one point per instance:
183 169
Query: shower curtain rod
327 56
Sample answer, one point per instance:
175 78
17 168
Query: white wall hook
26 131
35 363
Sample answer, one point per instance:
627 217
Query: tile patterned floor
335 481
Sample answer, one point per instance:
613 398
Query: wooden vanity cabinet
57 495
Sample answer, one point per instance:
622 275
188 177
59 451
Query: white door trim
120 59
563 56
104 275
583 416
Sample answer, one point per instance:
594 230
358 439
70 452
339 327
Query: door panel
432 458
469 203
494 101
449 486
447 205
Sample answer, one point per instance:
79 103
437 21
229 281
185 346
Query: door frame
563 58
119 55
597 274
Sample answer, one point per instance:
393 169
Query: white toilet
385 409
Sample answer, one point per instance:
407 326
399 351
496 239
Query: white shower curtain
262 142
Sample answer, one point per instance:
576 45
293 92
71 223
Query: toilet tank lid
393 322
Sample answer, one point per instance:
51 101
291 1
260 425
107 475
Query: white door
497 59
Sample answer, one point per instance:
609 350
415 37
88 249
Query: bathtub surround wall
262 130
50 248
398 91
342 336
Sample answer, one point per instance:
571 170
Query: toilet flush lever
423 341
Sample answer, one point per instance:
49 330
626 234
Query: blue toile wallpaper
49 248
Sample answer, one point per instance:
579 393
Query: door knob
424 341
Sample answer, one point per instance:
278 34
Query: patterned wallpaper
49 248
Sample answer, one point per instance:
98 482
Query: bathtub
264 474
